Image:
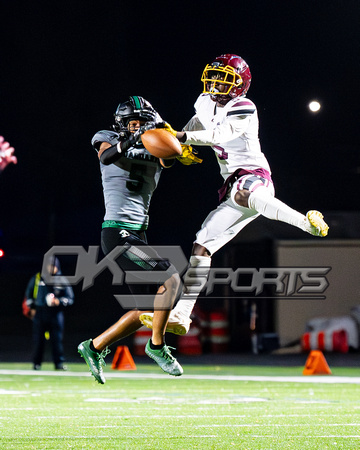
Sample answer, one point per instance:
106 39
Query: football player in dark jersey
130 175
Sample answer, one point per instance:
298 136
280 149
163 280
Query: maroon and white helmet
230 70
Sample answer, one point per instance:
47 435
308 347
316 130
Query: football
161 143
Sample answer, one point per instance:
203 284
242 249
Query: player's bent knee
241 198
200 250
174 281
171 285
172 288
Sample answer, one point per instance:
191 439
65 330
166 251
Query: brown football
161 143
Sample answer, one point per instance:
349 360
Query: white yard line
326 379
314 436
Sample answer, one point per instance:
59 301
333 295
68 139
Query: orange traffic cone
123 359
316 364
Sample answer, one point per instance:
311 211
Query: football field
209 407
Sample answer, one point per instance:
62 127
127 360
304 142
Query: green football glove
188 156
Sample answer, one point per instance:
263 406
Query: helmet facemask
137 108
219 81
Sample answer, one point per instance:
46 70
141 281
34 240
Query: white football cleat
177 323
316 224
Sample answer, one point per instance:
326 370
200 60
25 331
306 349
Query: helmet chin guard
230 71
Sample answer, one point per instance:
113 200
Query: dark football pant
137 256
47 319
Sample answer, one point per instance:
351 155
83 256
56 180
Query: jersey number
137 180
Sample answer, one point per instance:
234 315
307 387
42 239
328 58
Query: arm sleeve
231 128
110 155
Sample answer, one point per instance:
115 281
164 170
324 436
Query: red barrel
141 336
219 332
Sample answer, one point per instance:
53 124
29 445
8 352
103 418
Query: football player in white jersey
228 122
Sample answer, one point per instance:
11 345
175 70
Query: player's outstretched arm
180 135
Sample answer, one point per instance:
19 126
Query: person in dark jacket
45 305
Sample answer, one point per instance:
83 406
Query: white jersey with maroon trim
232 131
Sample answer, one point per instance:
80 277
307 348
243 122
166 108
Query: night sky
66 65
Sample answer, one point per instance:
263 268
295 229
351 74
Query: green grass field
208 408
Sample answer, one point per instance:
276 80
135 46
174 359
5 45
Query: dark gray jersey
128 184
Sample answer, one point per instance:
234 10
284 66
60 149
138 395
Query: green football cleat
164 359
94 360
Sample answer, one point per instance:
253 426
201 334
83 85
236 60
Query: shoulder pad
105 136
201 100
242 107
